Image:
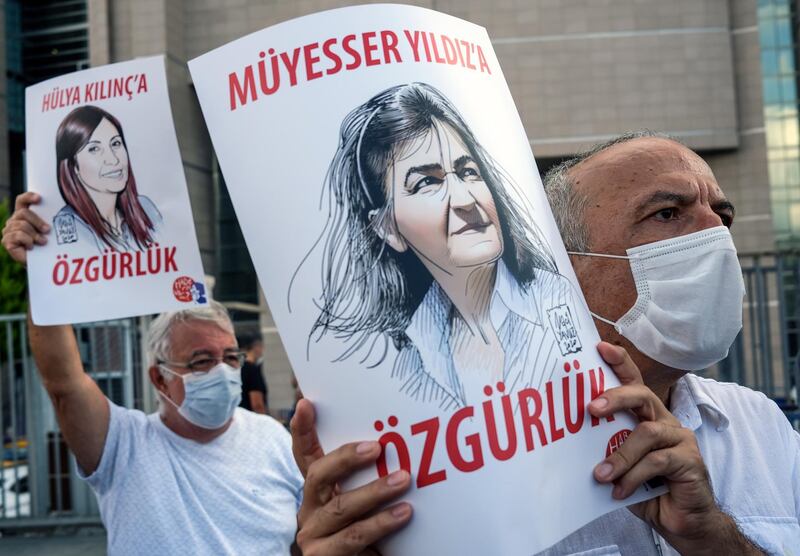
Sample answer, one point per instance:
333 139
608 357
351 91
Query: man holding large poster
730 491
200 476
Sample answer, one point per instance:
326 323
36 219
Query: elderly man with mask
201 476
646 225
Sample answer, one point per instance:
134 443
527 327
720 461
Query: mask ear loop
598 317
160 393
602 256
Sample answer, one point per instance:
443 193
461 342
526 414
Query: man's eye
727 219
233 360
202 364
666 214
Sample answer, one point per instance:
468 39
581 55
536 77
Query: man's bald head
634 190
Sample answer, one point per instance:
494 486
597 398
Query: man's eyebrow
208 352
724 204
671 196
682 200
423 169
660 197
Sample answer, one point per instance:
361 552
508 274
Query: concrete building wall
743 173
121 30
580 71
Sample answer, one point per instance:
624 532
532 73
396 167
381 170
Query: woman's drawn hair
73 134
369 288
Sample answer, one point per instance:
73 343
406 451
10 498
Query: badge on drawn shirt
564 328
66 230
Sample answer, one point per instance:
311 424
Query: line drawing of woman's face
442 207
102 163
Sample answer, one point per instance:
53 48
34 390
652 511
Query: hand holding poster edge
316 530
108 235
215 75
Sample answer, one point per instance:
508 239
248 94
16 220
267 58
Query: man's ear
384 226
157 379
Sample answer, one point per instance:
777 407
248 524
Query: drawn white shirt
521 317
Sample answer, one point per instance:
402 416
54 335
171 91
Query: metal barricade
40 486
766 354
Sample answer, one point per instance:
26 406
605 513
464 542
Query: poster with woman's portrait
392 207
102 152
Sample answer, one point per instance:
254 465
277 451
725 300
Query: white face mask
209 398
689 305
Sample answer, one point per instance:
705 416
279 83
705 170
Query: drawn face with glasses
443 209
202 363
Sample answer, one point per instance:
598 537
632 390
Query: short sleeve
117 449
794 443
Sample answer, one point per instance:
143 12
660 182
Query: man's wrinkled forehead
634 162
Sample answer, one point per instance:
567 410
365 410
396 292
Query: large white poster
102 152
387 192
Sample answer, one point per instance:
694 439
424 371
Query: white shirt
753 458
523 320
160 493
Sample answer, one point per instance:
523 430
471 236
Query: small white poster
102 153
392 207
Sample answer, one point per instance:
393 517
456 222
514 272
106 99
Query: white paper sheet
102 152
392 207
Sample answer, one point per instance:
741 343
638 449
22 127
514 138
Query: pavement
84 543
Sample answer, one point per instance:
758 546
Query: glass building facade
778 26
44 38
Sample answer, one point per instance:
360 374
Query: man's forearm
724 537
257 402
81 408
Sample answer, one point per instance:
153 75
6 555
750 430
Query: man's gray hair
567 204
159 336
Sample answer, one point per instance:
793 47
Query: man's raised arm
81 408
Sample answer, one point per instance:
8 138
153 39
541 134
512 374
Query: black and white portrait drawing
429 259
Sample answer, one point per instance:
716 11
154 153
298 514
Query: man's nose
460 196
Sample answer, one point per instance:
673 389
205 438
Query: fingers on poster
427 252
102 153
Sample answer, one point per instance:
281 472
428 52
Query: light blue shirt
753 458
160 493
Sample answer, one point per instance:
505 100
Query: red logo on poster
616 441
182 288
